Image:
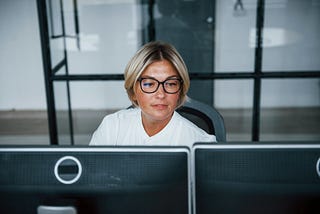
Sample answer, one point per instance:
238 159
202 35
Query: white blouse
125 128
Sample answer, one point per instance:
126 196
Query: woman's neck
153 127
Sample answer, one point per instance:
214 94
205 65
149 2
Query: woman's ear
134 100
134 97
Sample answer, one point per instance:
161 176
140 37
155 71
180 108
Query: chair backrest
204 116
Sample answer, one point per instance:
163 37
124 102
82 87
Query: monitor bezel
243 146
102 149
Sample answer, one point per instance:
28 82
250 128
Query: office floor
31 127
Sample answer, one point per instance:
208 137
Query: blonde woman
156 81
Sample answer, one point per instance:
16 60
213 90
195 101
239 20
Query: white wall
21 73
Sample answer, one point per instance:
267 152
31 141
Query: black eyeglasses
151 85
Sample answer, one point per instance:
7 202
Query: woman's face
158 106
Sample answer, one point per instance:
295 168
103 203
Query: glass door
189 26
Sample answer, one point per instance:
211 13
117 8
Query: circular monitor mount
68 170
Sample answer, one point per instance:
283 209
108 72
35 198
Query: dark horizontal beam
88 77
62 36
248 75
197 76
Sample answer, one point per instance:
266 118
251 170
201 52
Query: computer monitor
251 178
94 180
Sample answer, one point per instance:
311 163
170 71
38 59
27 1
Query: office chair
205 117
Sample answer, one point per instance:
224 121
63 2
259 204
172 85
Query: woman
157 81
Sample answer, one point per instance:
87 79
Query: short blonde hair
148 54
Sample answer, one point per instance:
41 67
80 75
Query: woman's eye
171 83
148 84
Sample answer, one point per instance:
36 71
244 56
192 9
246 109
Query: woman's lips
160 106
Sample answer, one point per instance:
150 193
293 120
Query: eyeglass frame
160 83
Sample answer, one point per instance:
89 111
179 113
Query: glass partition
233 99
238 54
291 36
64 126
290 110
235 36
94 100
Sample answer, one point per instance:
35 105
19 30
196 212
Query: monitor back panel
95 180
256 179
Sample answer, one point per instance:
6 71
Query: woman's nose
160 92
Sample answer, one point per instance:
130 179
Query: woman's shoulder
123 114
192 130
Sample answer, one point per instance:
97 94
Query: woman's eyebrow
151 77
173 76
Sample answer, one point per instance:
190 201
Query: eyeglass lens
149 85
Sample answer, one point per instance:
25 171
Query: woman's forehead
161 69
